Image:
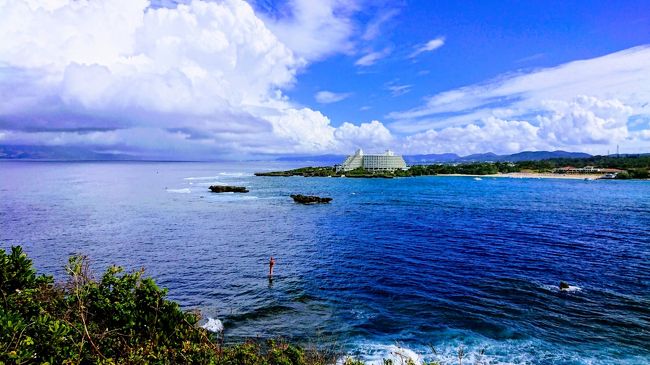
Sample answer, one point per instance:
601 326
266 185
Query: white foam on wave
376 354
571 288
213 325
192 178
179 191
236 174
483 351
232 197
208 183
403 355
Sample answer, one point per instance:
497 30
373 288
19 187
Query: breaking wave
179 191
235 174
213 325
195 178
571 288
483 351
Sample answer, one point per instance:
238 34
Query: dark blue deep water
411 262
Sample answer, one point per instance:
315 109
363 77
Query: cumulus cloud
314 29
373 135
328 97
205 79
622 75
345 138
309 130
582 105
428 47
201 77
491 135
584 121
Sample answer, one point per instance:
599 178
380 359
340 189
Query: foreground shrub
121 318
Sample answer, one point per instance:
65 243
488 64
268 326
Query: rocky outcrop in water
564 285
228 189
309 199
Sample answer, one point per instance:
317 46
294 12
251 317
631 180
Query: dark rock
228 189
564 285
310 199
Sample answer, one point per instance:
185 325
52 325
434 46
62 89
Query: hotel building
384 162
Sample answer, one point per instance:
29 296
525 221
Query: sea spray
213 325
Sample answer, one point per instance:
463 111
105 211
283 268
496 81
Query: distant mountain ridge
515 157
451 157
81 153
18 152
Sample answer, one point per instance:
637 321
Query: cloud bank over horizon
203 77
207 79
588 105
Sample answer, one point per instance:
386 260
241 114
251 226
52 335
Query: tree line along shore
629 167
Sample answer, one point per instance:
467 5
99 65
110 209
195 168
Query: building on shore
585 170
387 161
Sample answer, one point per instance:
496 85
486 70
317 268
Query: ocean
418 266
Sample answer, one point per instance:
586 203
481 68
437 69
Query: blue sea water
391 265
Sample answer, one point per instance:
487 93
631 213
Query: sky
199 79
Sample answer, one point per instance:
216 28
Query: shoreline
531 175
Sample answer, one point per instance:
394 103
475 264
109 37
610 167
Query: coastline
532 175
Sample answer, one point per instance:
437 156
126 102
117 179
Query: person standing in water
271 264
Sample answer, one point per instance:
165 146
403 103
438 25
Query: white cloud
622 75
428 47
584 120
328 97
373 29
581 105
397 90
491 135
587 122
204 79
373 135
371 58
309 130
642 135
201 79
315 29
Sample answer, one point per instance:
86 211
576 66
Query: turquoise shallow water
413 262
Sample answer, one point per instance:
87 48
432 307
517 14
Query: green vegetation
360 172
304 171
634 174
124 318
121 318
628 162
637 167
483 168
478 168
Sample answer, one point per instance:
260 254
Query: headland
390 166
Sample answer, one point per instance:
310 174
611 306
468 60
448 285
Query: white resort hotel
387 161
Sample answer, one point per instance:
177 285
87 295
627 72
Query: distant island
593 167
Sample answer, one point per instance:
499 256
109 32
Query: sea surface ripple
397 265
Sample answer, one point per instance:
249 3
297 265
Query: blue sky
483 39
193 79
